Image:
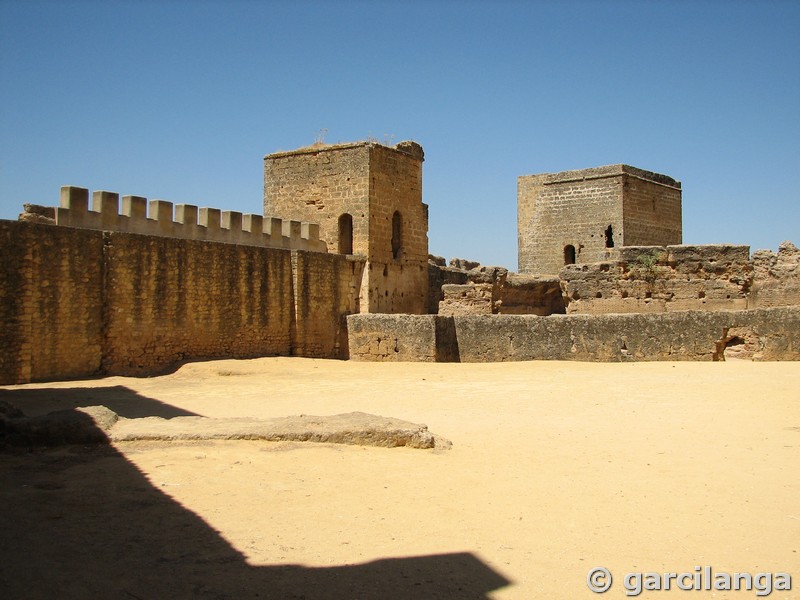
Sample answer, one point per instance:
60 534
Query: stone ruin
338 267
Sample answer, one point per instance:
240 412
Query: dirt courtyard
556 468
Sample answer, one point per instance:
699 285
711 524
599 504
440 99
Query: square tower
367 199
581 216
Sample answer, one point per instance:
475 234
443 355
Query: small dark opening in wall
648 294
624 293
701 294
734 341
609 234
599 295
569 254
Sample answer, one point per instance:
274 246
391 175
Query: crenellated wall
183 221
77 302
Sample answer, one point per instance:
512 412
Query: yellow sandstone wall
51 285
76 302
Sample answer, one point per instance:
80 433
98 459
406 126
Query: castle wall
593 211
661 279
77 303
169 300
50 302
761 334
326 288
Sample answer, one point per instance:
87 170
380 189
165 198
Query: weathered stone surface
393 338
468 299
661 279
464 264
97 424
530 295
35 213
356 428
494 290
767 334
776 277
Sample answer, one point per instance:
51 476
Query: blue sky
181 100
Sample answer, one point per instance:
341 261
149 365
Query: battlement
185 221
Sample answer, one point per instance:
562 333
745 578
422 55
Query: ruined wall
440 275
660 279
76 302
373 190
50 302
776 277
761 334
591 211
493 290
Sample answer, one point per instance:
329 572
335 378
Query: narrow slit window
609 233
346 234
397 235
569 254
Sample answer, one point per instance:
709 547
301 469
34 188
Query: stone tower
581 216
367 199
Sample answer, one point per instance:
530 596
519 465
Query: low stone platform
98 424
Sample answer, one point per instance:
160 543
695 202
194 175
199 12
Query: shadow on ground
82 522
122 400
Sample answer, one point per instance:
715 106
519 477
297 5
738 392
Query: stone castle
338 267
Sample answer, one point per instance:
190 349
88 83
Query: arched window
346 234
569 254
397 234
609 237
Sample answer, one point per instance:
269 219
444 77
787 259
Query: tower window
609 233
346 234
397 234
569 254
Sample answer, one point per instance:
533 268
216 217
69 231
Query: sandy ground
555 468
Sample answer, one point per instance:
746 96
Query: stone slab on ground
99 424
